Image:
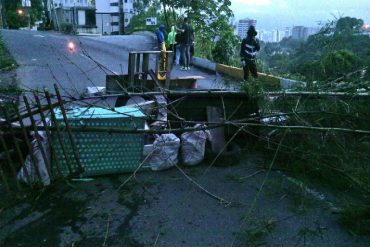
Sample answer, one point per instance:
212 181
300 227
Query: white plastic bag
193 146
165 153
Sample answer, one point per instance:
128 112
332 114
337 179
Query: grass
8 86
356 218
336 161
257 231
6 62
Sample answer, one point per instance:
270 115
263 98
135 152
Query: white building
78 15
243 26
277 35
112 16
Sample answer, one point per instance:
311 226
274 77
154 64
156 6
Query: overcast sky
271 14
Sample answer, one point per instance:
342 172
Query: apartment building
112 16
243 26
79 15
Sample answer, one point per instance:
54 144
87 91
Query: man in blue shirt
160 36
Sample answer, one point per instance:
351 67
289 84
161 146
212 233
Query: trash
193 146
161 120
40 163
163 153
94 91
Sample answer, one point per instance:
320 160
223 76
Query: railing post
145 68
131 68
169 62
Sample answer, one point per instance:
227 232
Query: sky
273 14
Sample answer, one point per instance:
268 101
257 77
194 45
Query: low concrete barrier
204 63
269 80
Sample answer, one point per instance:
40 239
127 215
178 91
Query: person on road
186 40
248 50
160 36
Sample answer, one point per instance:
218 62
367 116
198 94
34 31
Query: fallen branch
223 201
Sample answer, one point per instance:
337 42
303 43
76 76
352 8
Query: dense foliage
16 16
337 50
214 38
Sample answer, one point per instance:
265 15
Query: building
243 26
302 33
288 32
299 33
77 15
277 36
112 16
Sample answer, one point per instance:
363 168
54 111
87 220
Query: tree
226 50
16 19
348 25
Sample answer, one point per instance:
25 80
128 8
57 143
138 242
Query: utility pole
47 16
121 17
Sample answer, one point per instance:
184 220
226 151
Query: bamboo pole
30 147
11 164
74 147
48 134
27 114
19 152
212 126
38 137
57 129
3 178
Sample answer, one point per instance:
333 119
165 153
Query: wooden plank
138 62
169 62
145 68
131 69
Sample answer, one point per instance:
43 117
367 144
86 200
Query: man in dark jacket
248 50
185 43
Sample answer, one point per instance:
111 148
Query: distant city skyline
278 14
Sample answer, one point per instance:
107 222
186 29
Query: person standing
171 41
160 36
177 48
186 40
248 50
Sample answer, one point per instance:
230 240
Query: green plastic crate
101 152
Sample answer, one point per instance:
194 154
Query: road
44 59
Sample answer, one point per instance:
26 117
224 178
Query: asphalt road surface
44 59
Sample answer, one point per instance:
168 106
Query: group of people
181 41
